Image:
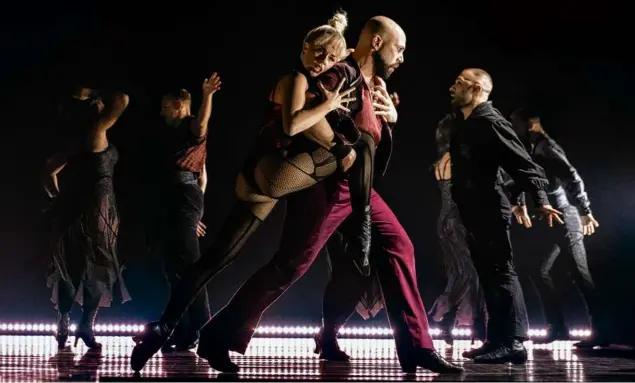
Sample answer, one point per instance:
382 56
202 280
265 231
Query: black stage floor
36 358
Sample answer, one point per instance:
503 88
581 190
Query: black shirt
479 146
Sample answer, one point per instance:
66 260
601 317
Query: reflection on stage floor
36 358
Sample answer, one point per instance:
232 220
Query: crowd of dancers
328 133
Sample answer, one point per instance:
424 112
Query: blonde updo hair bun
339 21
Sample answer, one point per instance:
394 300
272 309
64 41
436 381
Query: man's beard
381 67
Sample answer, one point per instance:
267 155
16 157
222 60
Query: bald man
481 143
314 214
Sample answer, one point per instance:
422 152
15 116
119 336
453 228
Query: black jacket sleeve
515 160
555 160
516 195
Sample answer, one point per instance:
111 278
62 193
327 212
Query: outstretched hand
383 104
551 214
334 99
589 224
522 217
211 85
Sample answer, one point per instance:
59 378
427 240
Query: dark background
571 60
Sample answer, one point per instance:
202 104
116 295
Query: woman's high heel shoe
85 330
61 335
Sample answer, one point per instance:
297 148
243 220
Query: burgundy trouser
312 216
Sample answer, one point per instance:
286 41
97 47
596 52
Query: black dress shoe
329 349
431 360
484 349
148 344
592 342
512 352
217 356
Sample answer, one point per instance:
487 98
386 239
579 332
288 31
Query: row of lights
125 329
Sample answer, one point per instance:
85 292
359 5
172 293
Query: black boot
360 186
154 336
85 328
359 245
61 335
431 360
509 352
329 349
216 353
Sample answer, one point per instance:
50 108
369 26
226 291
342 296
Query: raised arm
52 167
199 124
114 104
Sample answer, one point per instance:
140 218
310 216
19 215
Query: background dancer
82 219
183 154
462 301
567 241
482 141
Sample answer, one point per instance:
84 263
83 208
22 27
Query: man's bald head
471 87
383 26
482 78
385 41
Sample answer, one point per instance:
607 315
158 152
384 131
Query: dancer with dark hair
82 218
462 300
567 241
183 152
296 150
482 142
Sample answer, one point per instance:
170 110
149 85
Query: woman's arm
292 94
52 167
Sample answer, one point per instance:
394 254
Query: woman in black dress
82 219
462 301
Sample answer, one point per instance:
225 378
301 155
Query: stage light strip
364 332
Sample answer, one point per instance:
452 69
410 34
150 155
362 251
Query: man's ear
376 42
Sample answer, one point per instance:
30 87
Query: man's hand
383 105
551 214
211 85
200 229
520 212
395 99
589 224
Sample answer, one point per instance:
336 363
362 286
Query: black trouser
184 212
487 225
567 248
